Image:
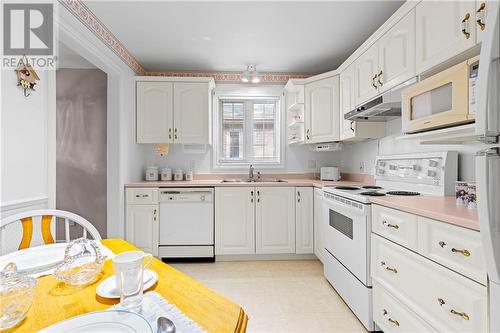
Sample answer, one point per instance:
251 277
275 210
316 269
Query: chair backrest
46 218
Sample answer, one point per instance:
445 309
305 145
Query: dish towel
154 306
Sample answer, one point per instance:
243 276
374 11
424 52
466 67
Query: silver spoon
165 325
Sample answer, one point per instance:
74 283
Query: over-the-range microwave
442 100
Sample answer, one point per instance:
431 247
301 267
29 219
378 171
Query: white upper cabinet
365 79
348 130
322 108
443 30
275 220
191 112
172 110
397 54
154 112
304 214
234 220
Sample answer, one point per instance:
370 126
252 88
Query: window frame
247 137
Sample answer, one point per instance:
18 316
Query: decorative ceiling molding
234 77
85 15
90 20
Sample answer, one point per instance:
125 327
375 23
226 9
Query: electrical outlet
361 166
311 164
192 164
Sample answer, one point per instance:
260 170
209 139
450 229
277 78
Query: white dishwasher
186 223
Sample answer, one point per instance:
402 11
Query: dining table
55 301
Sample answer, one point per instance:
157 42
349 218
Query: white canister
471 196
189 175
178 174
166 174
151 173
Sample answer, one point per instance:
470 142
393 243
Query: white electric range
347 219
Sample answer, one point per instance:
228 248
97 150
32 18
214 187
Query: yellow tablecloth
55 301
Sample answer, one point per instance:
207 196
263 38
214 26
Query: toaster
329 173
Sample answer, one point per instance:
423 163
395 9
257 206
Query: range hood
383 108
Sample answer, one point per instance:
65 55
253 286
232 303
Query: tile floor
279 296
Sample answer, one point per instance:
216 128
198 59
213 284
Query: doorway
81 140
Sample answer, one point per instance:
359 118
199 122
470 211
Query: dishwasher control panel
186 195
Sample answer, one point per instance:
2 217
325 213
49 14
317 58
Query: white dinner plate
110 321
108 288
35 258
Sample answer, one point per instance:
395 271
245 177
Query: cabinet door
191 112
322 110
365 81
304 228
275 220
440 33
154 112
235 220
142 227
348 129
397 53
318 223
480 19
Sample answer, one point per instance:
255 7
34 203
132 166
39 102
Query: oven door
347 235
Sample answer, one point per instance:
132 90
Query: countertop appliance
347 219
382 108
186 223
329 173
442 100
488 159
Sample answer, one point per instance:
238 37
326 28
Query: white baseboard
254 257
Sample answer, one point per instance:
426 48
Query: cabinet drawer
142 195
454 247
395 225
446 300
392 316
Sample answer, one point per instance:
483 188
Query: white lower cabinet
318 224
142 228
304 228
275 220
234 220
263 220
446 300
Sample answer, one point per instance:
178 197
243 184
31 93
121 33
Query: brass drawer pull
388 268
465 26
392 321
462 315
141 196
463 252
389 225
480 16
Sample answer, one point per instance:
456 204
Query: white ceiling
300 36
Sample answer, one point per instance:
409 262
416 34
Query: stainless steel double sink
255 180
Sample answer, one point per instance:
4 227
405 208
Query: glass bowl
16 294
83 262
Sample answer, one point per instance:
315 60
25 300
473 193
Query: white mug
129 271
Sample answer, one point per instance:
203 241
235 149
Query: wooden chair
47 216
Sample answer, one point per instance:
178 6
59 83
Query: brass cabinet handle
307 134
463 252
374 85
352 129
379 75
392 321
465 26
462 315
258 196
298 196
170 133
251 196
480 16
175 133
390 269
389 225
154 215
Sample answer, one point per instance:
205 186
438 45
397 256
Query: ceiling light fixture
250 72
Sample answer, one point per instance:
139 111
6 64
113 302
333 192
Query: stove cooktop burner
371 187
373 194
403 193
350 188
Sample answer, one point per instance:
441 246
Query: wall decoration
26 76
